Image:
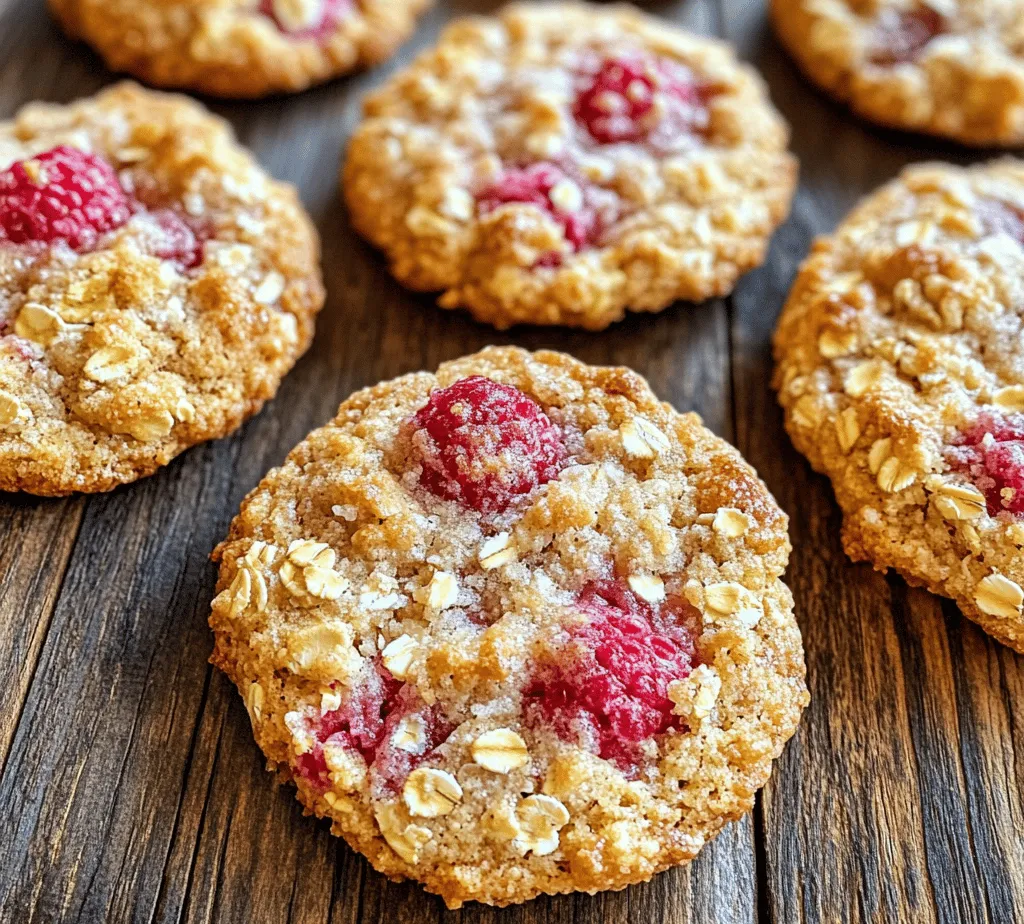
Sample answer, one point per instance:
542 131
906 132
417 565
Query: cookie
952 68
514 628
155 286
239 48
901 373
564 163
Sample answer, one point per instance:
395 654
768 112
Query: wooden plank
900 797
38 538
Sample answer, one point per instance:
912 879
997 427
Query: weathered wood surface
130 789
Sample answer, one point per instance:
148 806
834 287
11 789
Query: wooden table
130 787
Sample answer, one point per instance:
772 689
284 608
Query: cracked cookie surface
155 286
240 48
943 67
565 164
901 373
515 628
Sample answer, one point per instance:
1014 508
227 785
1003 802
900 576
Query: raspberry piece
411 734
63 194
991 454
628 98
179 241
357 724
610 692
999 217
901 35
552 191
305 19
485 444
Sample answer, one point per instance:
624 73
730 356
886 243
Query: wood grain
130 788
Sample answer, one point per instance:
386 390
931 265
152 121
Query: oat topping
566 163
544 680
239 48
917 422
946 67
126 336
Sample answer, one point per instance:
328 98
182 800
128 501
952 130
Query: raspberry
294 19
902 35
533 185
629 98
611 691
179 241
357 724
393 762
485 444
999 217
991 454
367 723
63 194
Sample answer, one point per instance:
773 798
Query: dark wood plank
38 538
900 797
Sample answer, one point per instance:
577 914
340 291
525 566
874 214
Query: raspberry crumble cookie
901 371
240 48
514 628
945 67
155 285
562 164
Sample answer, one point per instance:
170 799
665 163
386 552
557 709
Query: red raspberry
367 723
357 724
63 194
617 103
611 691
392 764
332 11
485 444
991 454
999 217
533 185
901 35
179 242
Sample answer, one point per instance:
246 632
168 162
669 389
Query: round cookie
239 48
516 627
901 372
155 286
564 163
945 67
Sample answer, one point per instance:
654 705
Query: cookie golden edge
367 187
160 54
867 536
781 709
292 243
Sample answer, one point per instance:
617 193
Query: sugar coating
902 377
240 48
342 569
672 196
944 67
118 351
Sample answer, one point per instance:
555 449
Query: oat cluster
240 48
562 164
901 372
160 314
388 641
946 67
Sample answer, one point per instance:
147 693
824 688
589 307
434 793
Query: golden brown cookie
516 627
155 286
901 371
946 67
239 48
564 164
